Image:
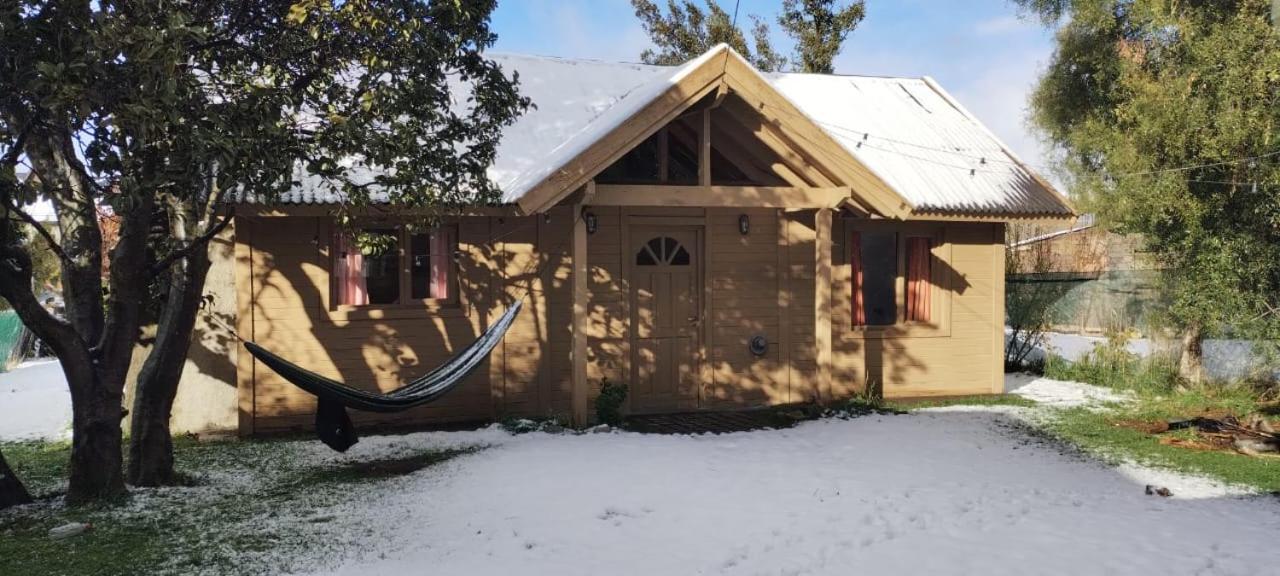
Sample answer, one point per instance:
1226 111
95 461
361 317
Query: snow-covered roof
909 132
921 142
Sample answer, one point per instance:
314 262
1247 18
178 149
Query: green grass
223 521
977 400
1157 395
1097 433
1116 368
865 405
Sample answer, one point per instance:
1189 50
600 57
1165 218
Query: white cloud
1001 25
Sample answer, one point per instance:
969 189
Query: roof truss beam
720 196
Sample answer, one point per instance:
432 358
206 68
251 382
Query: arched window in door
662 251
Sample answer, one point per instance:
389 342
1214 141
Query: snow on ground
1059 393
34 402
932 492
961 490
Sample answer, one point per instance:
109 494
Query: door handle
694 320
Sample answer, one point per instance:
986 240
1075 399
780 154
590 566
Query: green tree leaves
686 30
1167 115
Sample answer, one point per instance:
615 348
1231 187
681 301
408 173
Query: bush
1111 364
609 402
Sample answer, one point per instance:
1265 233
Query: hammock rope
333 423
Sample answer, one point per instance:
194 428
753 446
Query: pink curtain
919 286
349 270
441 245
855 265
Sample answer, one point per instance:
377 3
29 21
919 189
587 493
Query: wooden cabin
714 237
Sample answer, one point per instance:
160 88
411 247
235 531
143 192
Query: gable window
393 265
877 259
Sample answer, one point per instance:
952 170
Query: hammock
333 425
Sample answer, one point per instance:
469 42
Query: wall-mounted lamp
546 217
592 222
744 224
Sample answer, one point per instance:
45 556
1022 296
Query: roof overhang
720 69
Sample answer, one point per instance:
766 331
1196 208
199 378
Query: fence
13 336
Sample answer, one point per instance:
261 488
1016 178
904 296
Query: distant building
1108 281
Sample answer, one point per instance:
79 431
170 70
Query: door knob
693 319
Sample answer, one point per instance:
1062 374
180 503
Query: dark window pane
681 257
381 252
655 246
669 249
645 258
879 273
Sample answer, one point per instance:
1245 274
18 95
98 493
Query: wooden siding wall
283 294
963 356
759 283
745 277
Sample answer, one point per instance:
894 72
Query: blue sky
979 50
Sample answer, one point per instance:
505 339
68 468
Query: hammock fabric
333 424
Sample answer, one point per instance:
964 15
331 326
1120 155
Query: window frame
939 324
405 305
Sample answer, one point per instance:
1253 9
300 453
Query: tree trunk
151 445
96 467
95 405
1191 363
12 492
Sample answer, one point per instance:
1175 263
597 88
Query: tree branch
198 242
30 220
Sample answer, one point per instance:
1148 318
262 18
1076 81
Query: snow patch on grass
1061 393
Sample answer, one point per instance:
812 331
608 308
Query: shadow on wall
206 396
372 348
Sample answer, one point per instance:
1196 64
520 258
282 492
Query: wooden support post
822 300
704 149
997 314
578 355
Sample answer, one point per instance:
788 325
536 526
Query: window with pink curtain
873 262
432 265
377 275
348 270
919 285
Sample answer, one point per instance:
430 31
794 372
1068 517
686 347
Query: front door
666 304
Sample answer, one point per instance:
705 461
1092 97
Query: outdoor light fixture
592 222
744 224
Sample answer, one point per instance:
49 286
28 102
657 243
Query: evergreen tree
1168 115
819 28
686 31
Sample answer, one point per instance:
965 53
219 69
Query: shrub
609 402
1111 364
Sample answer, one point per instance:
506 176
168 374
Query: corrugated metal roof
908 131
920 142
